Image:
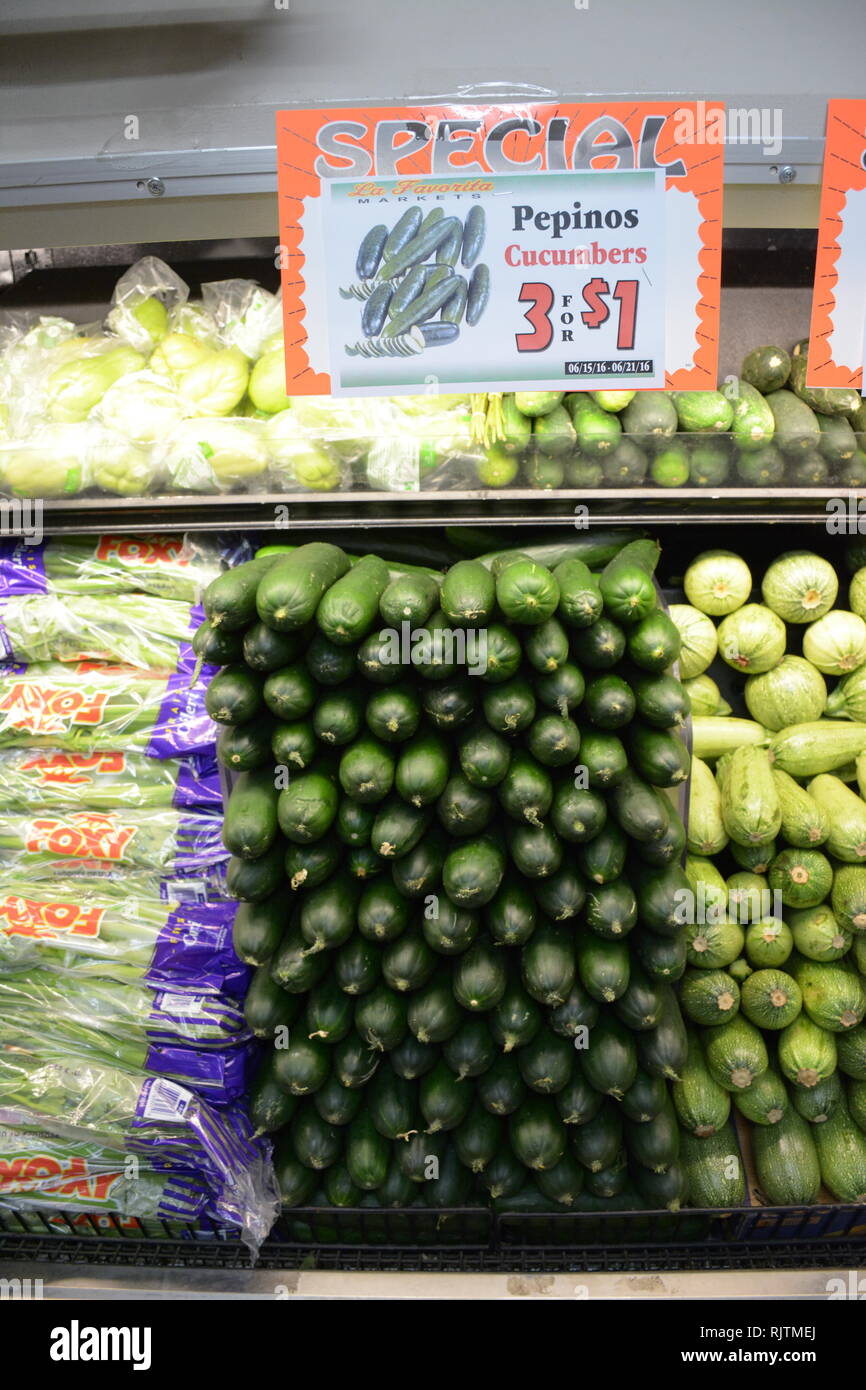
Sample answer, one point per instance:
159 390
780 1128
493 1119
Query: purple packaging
22 569
195 945
221 1077
198 782
182 725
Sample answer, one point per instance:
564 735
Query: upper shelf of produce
166 408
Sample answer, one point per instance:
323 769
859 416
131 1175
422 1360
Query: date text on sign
541 298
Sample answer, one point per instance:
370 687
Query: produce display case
766 296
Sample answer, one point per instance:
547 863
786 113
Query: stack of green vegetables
766 428
442 871
775 988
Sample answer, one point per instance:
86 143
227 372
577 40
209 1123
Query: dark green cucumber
536 850
473 871
258 928
536 1132
510 916
484 756
350 607
433 1013
577 1013
471 1050
230 600
234 696
383 913
577 815
355 1062
608 703
367 771
561 896
266 650
307 807
603 756
328 663
660 701
393 713
309 865
303 1066
397 827
661 758
251 880
553 740
357 965
422 769
464 809
447 929
443 1099
663 957
367 1153
450 705
290 693
327 916
548 964
561 690
410 598
337 718
250 820
407 962
270 1107
468 594
516 1018
603 966
291 590
597 1142
526 791
611 909
380 1018
294 745
411 1058
501 1088
578 1102
509 708
602 859
267 1006
479 977
655 1144
599 646
580 600
609 1063
654 644
662 1051
243 747
417 874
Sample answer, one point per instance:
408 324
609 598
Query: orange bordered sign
544 245
836 335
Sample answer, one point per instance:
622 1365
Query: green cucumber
545 1061
336 720
464 809
546 646
407 962
243 747
449 705
766 369
561 690
266 650
251 880
393 713
307 866
367 1153
328 663
327 916
479 977
411 1058
536 1133
600 645
329 1012
382 912
510 707
657 756
602 859
501 1088
609 702
230 600
444 1100
355 1063
422 769
580 600
397 827
434 1014
536 850
796 428
367 771
516 1018
291 590
484 756
418 872
380 1018
411 598
577 815
553 740
655 1143
270 1107
527 593
650 412
640 1007
267 1006
471 1050
603 966
577 1101
663 1050
663 957
610 1060
234 696
654 643
510 916
307 807
660 701
258 928
250 820
561 896
603 756
303 1066
548 964
477 1139
611 909
449 930
597 1142
290 693
350 607
468 594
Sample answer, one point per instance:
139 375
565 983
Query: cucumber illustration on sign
410 287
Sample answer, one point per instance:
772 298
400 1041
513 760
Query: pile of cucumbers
459 883
775 988
764 429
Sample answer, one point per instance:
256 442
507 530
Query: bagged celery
167 841
133 1015
126 629
36 778
85 708
197 1040
41 1172
108 930
64 1093
177 567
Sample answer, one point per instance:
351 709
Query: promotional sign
836 339
477 248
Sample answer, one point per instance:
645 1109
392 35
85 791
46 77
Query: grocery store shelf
121 1283
306 511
